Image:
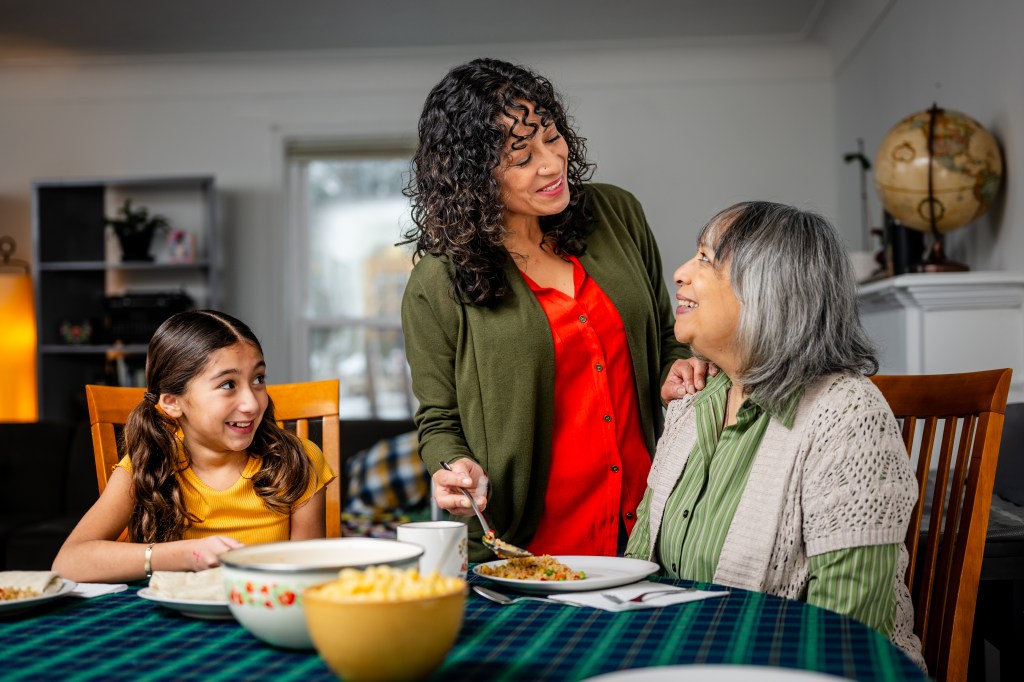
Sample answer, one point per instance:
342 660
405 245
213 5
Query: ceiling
49 29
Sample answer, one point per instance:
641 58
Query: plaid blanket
387 478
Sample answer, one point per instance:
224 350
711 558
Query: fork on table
643 595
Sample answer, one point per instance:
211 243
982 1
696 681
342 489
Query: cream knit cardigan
839 478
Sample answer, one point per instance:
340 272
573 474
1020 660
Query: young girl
207 468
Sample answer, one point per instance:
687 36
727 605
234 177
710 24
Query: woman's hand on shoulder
686 377
205 553
448 486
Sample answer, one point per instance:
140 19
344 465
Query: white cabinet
942 323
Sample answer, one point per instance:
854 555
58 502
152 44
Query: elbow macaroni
386 584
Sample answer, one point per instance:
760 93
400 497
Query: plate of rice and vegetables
548 574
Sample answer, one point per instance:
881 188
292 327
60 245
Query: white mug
444 543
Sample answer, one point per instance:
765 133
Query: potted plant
135 228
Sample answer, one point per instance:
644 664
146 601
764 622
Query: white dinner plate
601 571
714 673
196 608
18 605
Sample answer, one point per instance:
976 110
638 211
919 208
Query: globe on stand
935 171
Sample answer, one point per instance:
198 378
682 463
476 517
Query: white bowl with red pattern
264 583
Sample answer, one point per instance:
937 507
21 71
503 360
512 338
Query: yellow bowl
386 641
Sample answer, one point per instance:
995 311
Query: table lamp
17 338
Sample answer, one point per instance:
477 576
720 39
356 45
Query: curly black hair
456 198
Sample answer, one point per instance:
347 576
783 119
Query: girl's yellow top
238 511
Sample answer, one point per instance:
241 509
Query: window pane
393 383
356 215
370 363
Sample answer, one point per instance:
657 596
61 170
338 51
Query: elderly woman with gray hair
787 473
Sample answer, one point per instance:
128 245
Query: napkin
26 584
205 585
597 600
90 590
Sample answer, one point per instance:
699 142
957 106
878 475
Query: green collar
720 383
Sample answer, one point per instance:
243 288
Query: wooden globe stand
936 260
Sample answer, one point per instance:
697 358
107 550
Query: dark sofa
48 481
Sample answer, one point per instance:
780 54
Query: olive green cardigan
484 377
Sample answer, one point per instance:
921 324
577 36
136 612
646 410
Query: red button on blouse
599 460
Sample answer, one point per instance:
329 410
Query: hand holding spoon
503 549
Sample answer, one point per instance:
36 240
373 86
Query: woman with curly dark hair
537 322
207 467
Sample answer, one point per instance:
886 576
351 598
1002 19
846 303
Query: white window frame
298 154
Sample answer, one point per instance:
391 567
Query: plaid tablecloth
121 636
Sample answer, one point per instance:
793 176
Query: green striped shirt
857 582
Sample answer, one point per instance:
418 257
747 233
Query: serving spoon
501 548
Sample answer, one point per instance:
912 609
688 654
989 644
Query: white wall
967 56
688 129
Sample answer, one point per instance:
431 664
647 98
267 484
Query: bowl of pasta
356 620
265 583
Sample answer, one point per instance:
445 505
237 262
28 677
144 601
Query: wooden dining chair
295 405
961 420
315 400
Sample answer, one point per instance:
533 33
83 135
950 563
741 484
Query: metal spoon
503 549
503 599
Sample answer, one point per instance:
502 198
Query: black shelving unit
78 266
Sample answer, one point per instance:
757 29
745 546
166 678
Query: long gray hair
798 298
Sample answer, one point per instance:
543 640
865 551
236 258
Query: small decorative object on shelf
76 332
181 246
135 228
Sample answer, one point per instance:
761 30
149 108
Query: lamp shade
17 348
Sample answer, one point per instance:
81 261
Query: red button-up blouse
599 461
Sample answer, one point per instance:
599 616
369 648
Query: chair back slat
909 429
317 401
966 411
926 583
947 540
924 458
936 552
104 434
109 406
299 403
332 452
